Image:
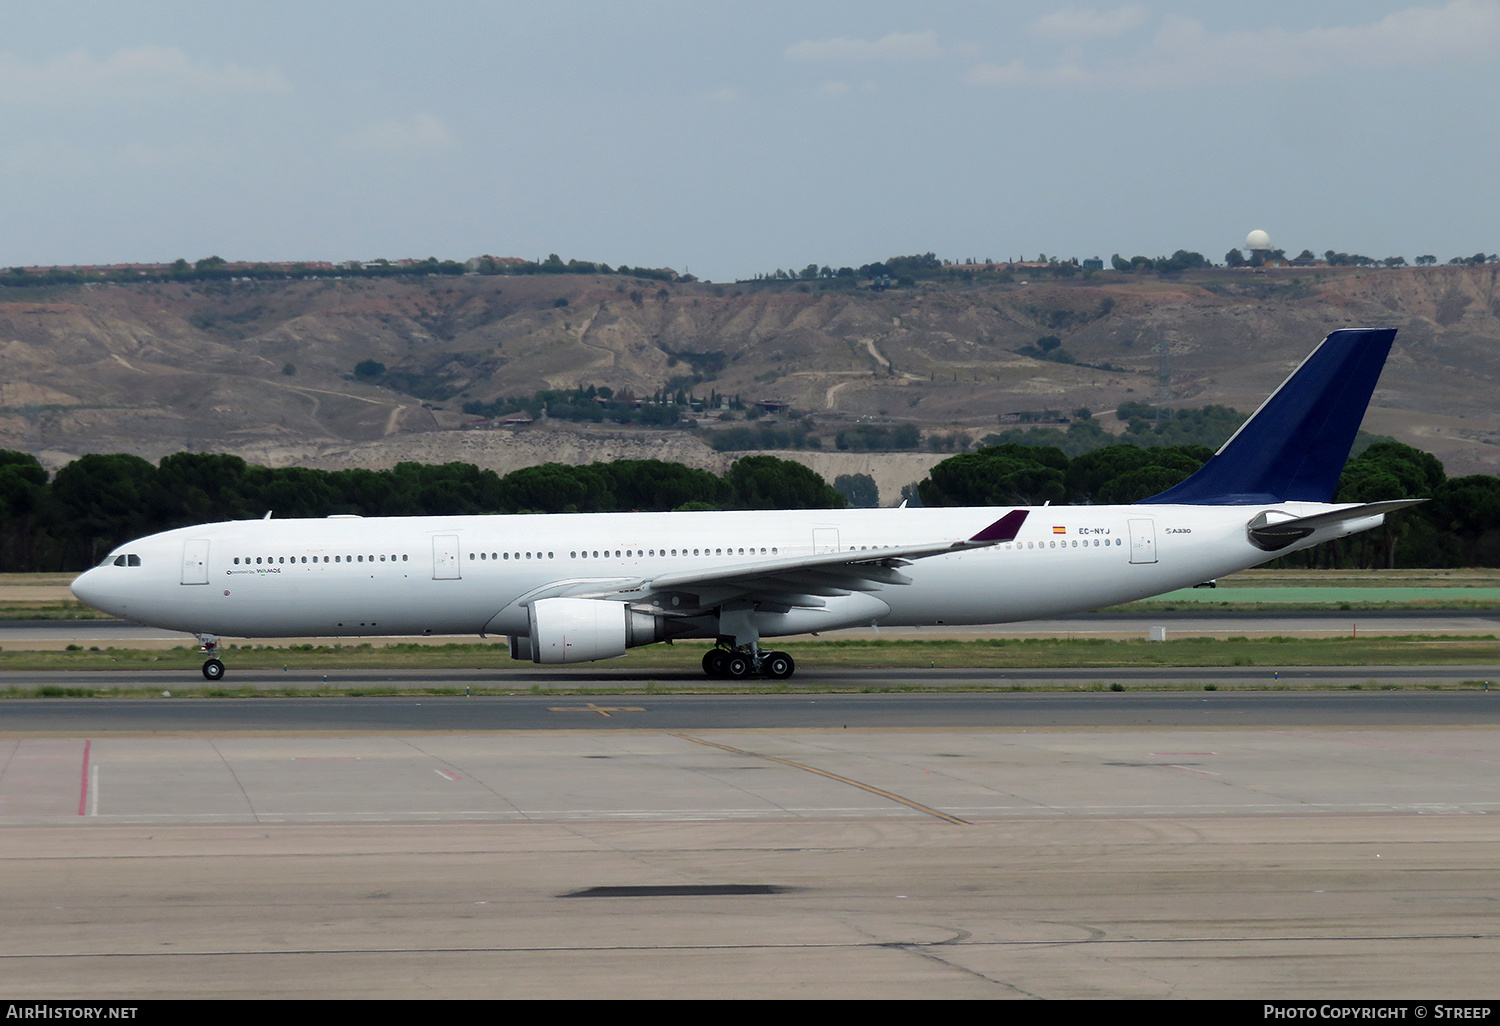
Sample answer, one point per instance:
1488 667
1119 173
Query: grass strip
989 653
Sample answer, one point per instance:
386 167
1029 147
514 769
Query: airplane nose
89 587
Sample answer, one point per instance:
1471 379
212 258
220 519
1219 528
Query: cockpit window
125 559
119 561
132 560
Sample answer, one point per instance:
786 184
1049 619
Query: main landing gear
739 663
212 669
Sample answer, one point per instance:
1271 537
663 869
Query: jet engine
575 630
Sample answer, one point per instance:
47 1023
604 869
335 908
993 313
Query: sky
729 139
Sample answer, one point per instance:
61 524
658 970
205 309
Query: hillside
266 369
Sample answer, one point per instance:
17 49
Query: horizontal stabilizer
1293 448
1272 535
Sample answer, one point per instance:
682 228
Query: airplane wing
786 582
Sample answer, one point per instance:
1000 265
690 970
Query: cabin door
1143 541
195 561
445 558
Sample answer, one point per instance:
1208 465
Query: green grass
996 653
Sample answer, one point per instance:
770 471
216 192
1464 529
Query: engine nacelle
575 630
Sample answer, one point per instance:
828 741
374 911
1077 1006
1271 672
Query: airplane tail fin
1293 448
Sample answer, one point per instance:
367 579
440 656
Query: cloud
1184 53
1014 73
148 72
1017 73
722 97
1071 24
196 155
897 46
423 133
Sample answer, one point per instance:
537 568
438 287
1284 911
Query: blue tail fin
1294 446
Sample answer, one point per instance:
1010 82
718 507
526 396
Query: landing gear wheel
737 667
715 662
213 670
779 666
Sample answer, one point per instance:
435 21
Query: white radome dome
1257 240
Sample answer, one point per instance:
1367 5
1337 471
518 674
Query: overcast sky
729 139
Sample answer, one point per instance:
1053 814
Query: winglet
1003 530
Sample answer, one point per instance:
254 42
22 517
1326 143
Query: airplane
571 588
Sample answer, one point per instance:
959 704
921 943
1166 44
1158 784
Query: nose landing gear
213 669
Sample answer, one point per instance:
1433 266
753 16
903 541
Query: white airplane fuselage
353 577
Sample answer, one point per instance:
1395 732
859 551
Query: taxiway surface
1193 844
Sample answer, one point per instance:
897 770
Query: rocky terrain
267 369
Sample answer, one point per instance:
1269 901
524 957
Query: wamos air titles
568 588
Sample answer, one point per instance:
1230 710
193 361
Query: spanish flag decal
1059 530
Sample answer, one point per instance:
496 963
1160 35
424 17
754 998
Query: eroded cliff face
268 369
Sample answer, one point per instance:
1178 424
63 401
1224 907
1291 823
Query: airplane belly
1001 585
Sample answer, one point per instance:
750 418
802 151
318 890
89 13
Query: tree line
72 519
215 268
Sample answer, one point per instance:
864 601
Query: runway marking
83 787
447 774
602 710
1189 769
832 776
